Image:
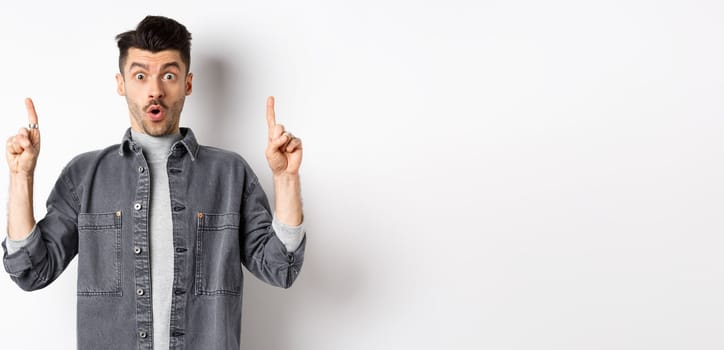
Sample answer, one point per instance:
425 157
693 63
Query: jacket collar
187 142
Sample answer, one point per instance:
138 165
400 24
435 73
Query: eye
140 76
169 76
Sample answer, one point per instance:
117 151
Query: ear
189 85
120 87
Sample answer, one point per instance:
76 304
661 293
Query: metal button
141 169
139 291
118 213
137 206
137 250
142 334
201 215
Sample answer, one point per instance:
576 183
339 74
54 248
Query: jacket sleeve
263 254
52 244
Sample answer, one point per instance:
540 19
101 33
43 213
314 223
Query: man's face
155 86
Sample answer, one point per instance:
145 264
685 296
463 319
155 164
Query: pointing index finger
270 116
30 107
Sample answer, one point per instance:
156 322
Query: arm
273 250
284 154
36 258
264 253
288 199
22 152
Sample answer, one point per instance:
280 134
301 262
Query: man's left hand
284 151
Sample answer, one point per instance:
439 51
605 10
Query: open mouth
155 112
154 107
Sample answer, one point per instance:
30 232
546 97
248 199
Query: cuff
15 245
291 236
31 254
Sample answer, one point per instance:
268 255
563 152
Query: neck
155 148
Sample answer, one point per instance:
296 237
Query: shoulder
89 160
220 155
91 156
231 164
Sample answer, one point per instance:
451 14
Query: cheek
177 92
131 90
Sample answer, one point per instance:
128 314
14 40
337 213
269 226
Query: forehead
153 60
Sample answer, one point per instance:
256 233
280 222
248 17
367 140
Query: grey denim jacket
99 210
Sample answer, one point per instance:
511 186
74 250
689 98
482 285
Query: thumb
279 141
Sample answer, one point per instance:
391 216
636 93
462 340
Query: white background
477 174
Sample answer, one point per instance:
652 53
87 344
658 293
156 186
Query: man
161 225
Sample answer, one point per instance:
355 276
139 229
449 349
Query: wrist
288 204
286 178
21 177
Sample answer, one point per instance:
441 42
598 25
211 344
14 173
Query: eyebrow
145 66
171 64
136 64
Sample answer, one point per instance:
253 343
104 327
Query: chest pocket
99 254
218 257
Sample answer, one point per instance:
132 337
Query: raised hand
284 151
22 149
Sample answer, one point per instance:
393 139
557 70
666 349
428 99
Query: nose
155 89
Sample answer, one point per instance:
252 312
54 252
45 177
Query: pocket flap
98 220
212 222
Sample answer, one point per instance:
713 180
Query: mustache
155 102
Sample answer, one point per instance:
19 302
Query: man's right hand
22 149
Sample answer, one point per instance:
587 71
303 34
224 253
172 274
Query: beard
167 126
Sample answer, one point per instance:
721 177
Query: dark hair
156 33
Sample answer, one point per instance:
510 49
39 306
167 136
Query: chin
158 130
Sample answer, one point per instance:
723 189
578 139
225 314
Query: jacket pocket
99 254
218 255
